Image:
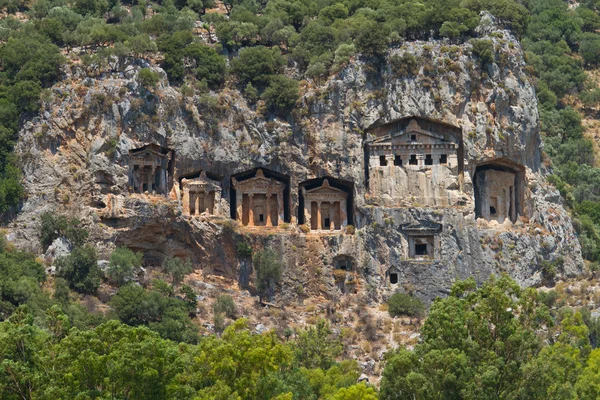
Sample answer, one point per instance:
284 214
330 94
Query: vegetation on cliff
499 341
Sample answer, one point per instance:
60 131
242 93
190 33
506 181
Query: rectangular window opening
382 161
261 217
444 159
413 159
398 161
393 278
421 249
413 138
428 159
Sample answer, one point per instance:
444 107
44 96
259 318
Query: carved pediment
325 193
258 184
416 228
404 137
200 184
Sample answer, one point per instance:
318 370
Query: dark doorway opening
421 249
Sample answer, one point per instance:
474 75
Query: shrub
268 268
55 226
244 250
483 49
80 269
282 94
123 262
404 304
257 65
148 78
177 269
224 304
404 65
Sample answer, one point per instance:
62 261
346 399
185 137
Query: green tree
256 65
589 48
316 347
475 344
405 304
282 94
209 64
268 268
177 269
80 269
373 39
123 263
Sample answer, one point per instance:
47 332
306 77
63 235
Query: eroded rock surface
76 159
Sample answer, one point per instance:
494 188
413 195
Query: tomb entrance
414 160
325 204
151 169
200 195
498 190
259 200
423 239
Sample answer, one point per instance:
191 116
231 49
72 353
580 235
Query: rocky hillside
76 161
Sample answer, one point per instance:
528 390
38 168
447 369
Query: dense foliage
496 342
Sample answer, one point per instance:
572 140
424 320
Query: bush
80 269
404 304
224 304
210 65
372 40
177 269
404 65
257 65
148 78
268 268
55 226
123 263
483 49
282 94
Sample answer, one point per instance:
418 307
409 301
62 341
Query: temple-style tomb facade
151 169
200 195
259 200
414 161
325 207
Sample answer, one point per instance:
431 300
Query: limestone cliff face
75 158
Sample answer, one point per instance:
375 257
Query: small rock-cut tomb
498 192
414 160
325 207
422 239
200 195
259 200
151 169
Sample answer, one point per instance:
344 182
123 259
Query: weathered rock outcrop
75 160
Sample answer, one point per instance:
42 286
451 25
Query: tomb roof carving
200 183
396 134
416 228
326 191
258 184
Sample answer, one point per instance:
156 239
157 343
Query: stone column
319 224
268 220
251 209
331 226
197 202
151 179
280 211
239 205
